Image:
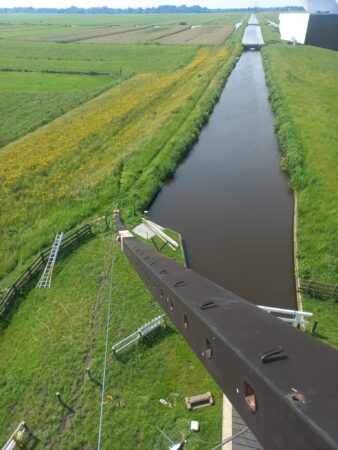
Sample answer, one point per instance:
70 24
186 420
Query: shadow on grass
147 343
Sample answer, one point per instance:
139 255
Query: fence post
333 292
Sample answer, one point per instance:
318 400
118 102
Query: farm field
303 88
181 34
140 29
90 59
143 35
30 100
56 78
209 34
84 33
50 21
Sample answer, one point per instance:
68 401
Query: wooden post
107 225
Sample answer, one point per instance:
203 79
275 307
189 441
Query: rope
106 347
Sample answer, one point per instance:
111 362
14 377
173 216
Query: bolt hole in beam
297 397
250 397
186 323
171 303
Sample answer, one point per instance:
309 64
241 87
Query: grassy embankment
303 89
32 95
75 167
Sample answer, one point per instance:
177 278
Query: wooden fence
319 290
24 280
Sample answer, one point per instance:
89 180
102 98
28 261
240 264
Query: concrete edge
227 423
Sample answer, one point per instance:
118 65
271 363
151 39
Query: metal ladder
46 277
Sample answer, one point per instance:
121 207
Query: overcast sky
146 3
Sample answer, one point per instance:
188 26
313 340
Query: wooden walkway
247 440
232 424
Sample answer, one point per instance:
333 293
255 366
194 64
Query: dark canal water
230 200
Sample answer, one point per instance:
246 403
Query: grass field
148 35
174 34
29 100
50 21
70 320
122 29
209 34
303 87
83 33
84 58
31 95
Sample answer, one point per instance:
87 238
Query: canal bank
230 199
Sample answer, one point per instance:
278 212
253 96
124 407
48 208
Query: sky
146 3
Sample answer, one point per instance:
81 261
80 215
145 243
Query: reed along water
230 199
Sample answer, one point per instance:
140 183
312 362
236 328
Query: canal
230 199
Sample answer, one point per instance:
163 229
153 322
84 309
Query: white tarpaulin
293 27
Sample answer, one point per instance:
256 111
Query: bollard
314 327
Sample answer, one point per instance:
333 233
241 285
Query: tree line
164 9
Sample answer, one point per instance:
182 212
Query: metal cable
231 438
106 346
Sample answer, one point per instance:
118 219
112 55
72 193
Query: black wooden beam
282 381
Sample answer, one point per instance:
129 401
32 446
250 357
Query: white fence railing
160 233
289 315
139 334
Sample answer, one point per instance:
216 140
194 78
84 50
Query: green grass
69 319
29 100
303 88
326 313
86 58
